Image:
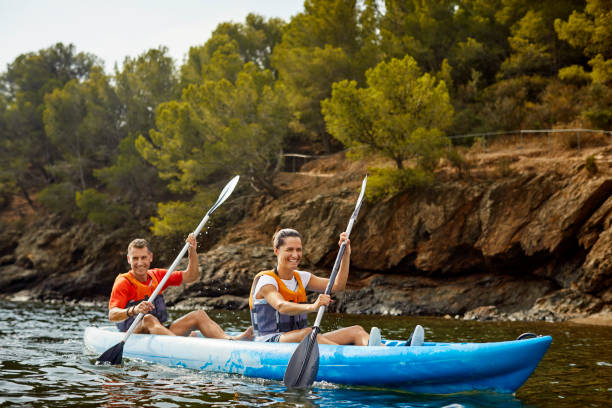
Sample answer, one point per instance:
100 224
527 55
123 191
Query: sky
114 29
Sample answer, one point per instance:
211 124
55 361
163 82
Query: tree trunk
260 183
399 163
26 195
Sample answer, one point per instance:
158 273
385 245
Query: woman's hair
279 237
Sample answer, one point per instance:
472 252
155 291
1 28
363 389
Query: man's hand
144 307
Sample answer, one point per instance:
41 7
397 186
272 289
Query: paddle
304 363
114 354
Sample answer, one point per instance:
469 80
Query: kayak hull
438 368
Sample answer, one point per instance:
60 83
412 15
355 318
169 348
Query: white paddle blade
227 191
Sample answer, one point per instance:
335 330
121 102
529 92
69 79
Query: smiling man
132 289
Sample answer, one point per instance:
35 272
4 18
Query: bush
59 198
457 161
99 209
590 165
389 181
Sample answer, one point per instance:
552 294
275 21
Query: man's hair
279 237
139 243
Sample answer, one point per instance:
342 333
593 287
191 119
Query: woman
278 297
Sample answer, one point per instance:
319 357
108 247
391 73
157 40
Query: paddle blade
113 355
304 363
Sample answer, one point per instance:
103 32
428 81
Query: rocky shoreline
534 243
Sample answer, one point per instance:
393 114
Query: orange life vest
265 318
143 292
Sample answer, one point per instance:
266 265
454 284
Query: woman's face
289 253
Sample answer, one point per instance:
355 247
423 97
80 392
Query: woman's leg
296 336
348 335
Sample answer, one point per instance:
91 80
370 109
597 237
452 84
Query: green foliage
178 217
590 30
219 126
457 161
590 165
387 182
400 115
230 47
59 198
507 102
330 41
131 178
143 84
531 46
99 208
255 89
81 124
308 74
25 148
574 74
423 30
217 130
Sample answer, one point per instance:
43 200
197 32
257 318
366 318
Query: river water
43 363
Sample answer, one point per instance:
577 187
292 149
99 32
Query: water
43 363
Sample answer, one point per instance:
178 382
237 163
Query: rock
531 245
568 303
482 313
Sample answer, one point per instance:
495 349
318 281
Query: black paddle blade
113 355
304 363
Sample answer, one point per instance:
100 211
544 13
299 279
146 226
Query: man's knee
200 316
149 320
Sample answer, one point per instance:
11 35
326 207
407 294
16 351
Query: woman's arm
278 302
317 284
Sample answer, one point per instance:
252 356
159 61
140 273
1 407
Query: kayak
438 368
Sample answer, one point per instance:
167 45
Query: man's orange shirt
123 291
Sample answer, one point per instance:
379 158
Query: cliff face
535 243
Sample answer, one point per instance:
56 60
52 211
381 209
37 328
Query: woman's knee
358 329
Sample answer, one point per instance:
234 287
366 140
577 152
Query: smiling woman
278 297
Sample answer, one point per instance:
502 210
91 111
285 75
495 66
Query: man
132 289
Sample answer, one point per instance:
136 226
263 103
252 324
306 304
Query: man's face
140 259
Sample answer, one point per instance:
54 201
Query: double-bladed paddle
114 354
304 363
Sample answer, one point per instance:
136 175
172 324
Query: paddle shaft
336 268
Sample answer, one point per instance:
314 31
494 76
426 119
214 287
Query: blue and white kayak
438 368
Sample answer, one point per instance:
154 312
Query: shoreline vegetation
496 224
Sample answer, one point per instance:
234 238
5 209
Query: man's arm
117 314
119 298
192 273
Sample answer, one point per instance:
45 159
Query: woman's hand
322 300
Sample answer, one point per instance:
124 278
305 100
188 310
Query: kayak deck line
438 368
